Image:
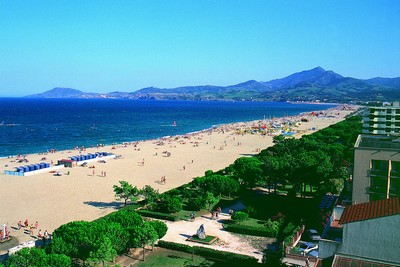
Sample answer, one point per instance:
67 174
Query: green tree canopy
248 170
125 191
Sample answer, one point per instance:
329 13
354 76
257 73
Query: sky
115 45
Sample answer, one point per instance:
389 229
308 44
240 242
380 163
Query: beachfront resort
82 192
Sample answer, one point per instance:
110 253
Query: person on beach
36 225
46 234
31 229
40 233
26 223
19 225
184 168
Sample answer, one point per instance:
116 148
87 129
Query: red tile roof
371 210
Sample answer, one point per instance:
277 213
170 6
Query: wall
362 159
376 239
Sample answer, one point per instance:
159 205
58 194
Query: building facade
376 172
370 235
382 120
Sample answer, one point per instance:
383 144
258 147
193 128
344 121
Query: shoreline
210 127
87 193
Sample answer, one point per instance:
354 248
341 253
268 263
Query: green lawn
298 210
170 258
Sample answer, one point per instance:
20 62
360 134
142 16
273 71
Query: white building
370 235
376 173
382 120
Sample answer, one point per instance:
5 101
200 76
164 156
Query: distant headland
315 85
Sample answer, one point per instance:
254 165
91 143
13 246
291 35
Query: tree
104 251
170 204
210 199
248 170
27 257
148 234
131 222
74 239
114 231
59 260
126 192
160 227
150 196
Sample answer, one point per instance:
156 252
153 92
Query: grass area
171 258
208 240
297 209
249 222
185 214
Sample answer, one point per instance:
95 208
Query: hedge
158 215
250 230
234 259
289 238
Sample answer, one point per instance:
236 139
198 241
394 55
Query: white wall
376 239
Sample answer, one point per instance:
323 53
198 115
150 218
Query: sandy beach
86 194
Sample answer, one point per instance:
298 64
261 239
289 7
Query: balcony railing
383 173
377 190
394 174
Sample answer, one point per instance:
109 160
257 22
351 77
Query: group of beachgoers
30 229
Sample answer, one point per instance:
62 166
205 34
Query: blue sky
105 46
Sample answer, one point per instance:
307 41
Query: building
369 235
376 172
382 120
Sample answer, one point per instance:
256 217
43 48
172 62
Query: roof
368 141
341 261
371 210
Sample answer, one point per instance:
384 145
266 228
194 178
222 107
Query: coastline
85 194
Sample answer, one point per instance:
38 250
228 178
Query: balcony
394 174
382 173
377 190
394 192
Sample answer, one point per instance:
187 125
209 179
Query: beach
86 193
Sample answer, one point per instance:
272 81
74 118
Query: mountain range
310 85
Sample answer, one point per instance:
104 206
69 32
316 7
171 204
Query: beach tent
66 162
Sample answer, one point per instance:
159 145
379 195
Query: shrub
175 246
158 215
160 227
196 203
289 228
250 210
240 216
251 230
273 225
170 204
289 238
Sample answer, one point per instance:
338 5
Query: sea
34 125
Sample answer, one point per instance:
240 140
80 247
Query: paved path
179 231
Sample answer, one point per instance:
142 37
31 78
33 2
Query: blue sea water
30 125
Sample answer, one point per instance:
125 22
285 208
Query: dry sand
55 200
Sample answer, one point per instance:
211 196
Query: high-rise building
376 172
382 120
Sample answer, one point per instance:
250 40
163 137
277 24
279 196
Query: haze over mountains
310 85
